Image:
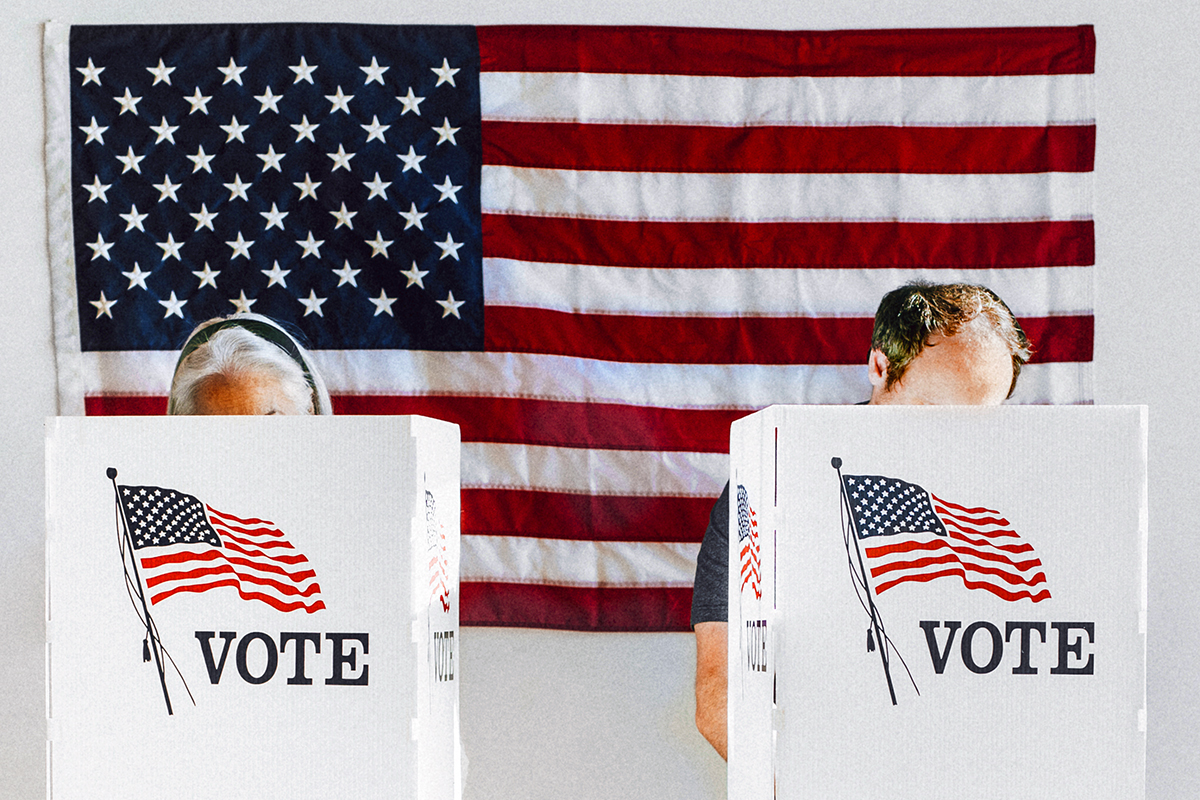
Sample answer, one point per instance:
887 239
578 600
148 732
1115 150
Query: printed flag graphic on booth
185 545
911 535
592 248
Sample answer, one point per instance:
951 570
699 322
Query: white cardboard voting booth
300 575
938 603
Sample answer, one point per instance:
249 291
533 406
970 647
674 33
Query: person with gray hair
245 364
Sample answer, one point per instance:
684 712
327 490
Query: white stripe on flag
580 470
770 292
420 372
565 562
784 197
713 100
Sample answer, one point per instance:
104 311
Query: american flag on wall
591 247
184 545
910 535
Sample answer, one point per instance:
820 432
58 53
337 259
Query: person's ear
877 369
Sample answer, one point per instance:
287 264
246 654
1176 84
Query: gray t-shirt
710 591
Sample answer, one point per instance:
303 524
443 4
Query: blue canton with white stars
323 175
886 506
158 517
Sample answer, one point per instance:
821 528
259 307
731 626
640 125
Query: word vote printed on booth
217 583
929 573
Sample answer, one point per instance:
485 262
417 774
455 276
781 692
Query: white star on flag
104 306
164 131
237 189
136 277
240 246
448 191
383 304
304 130
411 103
199 102
303 72
204 217
128 102
170 248
271 159
449 247
312 303
173 305
232 73
374 72
95 133
90 73
133 219
270 102
413 217
308 188
411 160
378 187
379 246
201 160
100 248
241 303
234 130
312 247
161 73
167 189
98 189
276 275
341 101
343 217
450 306
274 217
131 162
346 274
207 276
375 130
414 276
341 159
446 133
445 74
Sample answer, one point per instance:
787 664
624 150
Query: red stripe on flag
124 406
678 340
575 608
581 517
561 424
732 340
774 149
958 571
639 243
245 595
1055 339
762 53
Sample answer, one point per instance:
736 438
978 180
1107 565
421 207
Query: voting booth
252 607
937 602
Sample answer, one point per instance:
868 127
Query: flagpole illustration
876 623
151 635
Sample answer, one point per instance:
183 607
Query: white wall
551 715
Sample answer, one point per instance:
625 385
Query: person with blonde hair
245 364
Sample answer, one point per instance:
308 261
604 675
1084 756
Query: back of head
245 349
908 316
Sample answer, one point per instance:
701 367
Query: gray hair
240 345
